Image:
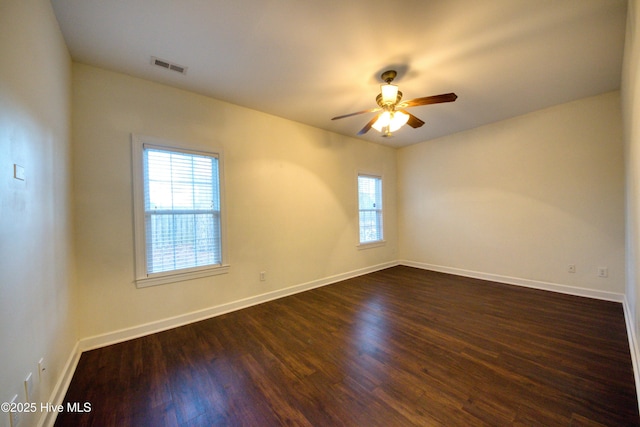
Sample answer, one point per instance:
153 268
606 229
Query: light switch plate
18 172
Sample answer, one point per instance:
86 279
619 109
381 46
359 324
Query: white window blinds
370 206
181 209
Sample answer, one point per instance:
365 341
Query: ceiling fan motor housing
388 76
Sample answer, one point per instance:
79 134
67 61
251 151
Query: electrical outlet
603 272
28 387
572 268
263 276
14 417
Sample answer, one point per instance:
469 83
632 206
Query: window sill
371 245
179 277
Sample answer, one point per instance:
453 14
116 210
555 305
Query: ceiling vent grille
168 65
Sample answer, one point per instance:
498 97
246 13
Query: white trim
142 279
535 284
97 341
48 418
633 345
554 287
370 245
121 335
181 276
380 176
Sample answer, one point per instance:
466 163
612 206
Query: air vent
168 65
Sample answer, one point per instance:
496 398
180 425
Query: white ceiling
311 60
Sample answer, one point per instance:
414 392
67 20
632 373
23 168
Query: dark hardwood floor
397 347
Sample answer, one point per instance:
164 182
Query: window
370 207
178 215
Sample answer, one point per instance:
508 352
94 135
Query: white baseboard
60 390
633 346
554 287
546 286
47 419
121 335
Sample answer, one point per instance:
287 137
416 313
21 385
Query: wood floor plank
399 347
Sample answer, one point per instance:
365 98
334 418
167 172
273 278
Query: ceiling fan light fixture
398 120
393 116
390 121
383 121
389 94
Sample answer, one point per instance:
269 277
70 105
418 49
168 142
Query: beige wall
521 198
36 253
631 118
290 195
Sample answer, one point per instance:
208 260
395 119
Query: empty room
363 213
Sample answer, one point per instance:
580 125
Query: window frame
142 277
382 241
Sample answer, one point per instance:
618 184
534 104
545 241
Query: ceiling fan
393 115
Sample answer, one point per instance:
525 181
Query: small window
370 207
178 213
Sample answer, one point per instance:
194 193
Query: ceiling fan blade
372 110
435 99
366 127
413 121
